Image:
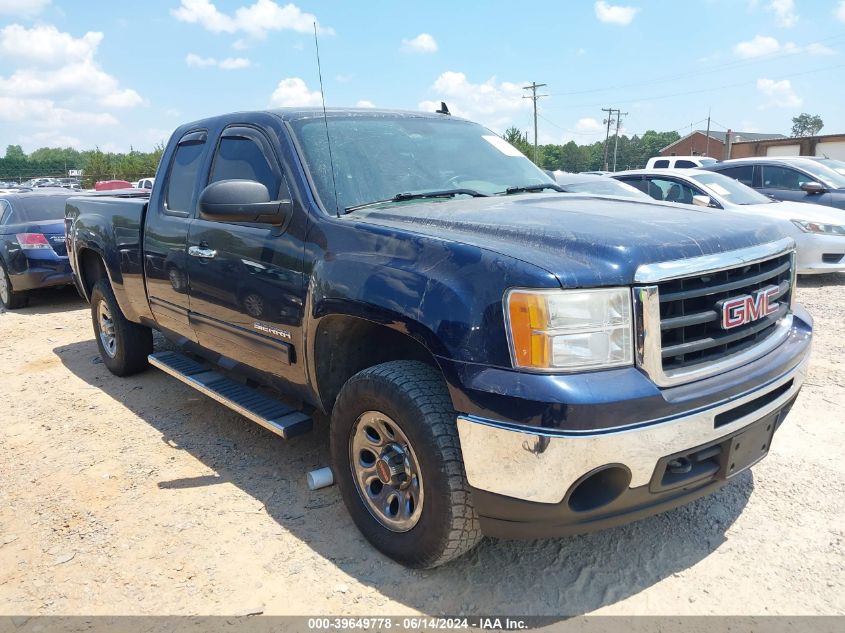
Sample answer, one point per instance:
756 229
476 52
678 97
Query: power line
534 96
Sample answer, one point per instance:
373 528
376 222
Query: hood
583 240
803 211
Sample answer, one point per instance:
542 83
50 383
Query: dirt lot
139 496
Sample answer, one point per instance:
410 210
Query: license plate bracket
750 446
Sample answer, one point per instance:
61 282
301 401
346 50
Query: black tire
12 300
132 342
415 397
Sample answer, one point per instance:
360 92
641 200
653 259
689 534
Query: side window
5 211
660 164
743 173
244 157
635 181
670 190
776 177
182 177
685 164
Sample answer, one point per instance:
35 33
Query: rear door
247 288
166 235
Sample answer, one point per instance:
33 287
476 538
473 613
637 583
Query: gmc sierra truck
496 357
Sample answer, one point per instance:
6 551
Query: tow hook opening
599 488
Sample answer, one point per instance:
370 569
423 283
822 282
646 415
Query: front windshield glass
708 161
378 156
605 187
830 172
730 189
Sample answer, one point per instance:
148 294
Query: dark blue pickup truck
497 357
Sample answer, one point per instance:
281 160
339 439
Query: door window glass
776 177
742 173
242 158
661 164
685 164
671 190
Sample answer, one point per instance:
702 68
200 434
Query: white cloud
230 63
492 103
839 11
615 14
759 46
22 8
46 45
363 103
763 45
422 43
55 64
45 113
784 11
780 93
255 20
293 92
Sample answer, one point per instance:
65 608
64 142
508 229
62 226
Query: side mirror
241 201
701 201
813 187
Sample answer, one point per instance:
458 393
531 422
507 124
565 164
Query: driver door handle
201 252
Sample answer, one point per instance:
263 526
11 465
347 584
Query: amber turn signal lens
529 316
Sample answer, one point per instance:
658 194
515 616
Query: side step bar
271 414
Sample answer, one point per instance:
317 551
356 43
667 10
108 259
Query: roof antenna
326 122
444 109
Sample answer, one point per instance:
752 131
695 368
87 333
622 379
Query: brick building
830 145
696 143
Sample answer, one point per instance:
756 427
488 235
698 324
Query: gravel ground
140 496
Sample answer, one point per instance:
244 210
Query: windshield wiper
530 188
419 195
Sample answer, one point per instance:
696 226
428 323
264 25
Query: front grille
57 241
690 315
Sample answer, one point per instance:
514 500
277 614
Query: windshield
377 157
605 187
729 189
707 161
830 172
37 209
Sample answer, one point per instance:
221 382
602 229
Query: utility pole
619 116
534 96
707 142
608 121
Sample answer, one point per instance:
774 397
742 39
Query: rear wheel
397 458
124 346
10 299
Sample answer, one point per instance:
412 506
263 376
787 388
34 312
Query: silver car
818 231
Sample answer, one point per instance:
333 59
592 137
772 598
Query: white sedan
819 231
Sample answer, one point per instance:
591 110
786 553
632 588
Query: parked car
110 185
596 185
144 183
32 244
819 233
497 357
797 178
679 162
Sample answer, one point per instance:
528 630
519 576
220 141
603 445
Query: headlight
819 227
570 329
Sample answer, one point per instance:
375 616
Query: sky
115 75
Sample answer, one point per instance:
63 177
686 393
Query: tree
515 137
806 124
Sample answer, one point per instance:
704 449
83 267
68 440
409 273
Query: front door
166 234
247 288
784 183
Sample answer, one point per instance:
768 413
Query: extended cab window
660 164
243 158
685 164
183 172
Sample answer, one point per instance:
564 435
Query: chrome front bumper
540 466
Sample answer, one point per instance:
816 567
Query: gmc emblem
747 308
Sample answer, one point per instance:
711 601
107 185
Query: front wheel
124 346
397 459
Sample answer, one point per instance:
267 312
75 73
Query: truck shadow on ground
51 301
568 576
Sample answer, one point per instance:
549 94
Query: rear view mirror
813 187
241 201
701 201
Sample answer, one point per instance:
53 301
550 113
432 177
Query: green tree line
633 151
55 162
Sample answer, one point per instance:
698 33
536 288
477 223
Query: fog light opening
599 488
